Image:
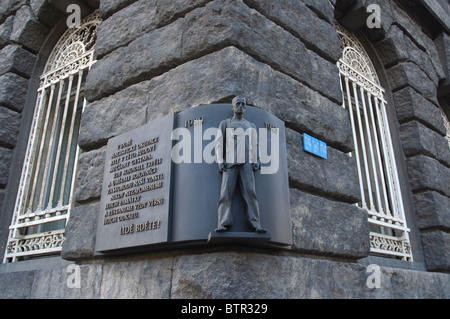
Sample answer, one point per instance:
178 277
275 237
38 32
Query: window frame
362 86
67 66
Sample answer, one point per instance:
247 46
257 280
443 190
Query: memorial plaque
197 180
161 185
135 199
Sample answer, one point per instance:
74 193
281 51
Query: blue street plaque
314 146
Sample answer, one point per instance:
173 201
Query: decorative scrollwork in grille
73 44
395 246
355 56
356 64
41 244
71 53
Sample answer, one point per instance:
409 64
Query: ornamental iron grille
45 192
374 154
447 126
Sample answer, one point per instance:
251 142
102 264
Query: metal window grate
374 154
45 193
446 124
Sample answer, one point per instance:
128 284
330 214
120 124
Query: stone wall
230 274
16 65
282 56
201 52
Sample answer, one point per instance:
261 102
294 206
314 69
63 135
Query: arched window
374 153
44 197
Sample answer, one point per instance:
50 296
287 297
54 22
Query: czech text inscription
136 188
134 171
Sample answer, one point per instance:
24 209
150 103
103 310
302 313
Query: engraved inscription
139 228
136 190
133 172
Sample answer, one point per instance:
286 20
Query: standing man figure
237 155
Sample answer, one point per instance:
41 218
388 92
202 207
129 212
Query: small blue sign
314 146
